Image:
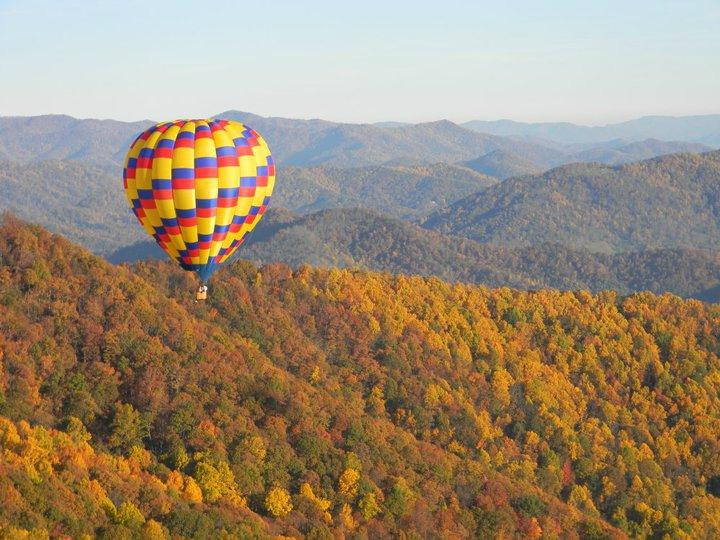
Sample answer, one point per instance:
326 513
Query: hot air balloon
198 187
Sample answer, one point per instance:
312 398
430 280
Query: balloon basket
201 293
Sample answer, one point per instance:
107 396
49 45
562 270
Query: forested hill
86 203
666 202
398 190
331 402
79 201
355 238
100 143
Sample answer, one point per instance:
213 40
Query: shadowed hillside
401 191
502 165
80 201
87 204
323 402
355 238
667 202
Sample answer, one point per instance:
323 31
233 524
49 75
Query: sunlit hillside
331 402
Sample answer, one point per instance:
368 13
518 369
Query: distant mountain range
703 129
620 151
367 239
318 142
666 202
102 143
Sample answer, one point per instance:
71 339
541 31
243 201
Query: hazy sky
580 61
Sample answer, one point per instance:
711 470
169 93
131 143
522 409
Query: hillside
702 128
667 202
502 165
402 191
86 203
354 238
80 201
615 154
327 402
101 143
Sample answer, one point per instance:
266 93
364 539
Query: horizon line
391 121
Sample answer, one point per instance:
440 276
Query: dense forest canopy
328 402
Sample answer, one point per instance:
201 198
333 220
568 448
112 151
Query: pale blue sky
589 62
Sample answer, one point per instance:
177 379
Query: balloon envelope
199 187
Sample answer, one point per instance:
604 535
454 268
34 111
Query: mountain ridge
694 128
102 143
665 202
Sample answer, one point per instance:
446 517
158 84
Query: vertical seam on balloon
251 198
177 241
185 230
224 234
237 128
146 218
211 217
151 212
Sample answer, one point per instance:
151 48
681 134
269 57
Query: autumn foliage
324 403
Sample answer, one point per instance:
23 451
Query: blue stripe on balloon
205 162
183 173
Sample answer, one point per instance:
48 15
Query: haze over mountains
703 129
80 201
495 209
316 142
86 203
94 142
319 142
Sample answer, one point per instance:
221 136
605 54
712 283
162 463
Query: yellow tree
277 502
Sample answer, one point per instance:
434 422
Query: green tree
127 429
